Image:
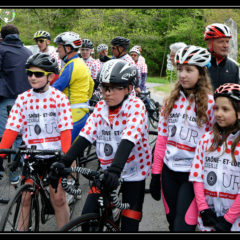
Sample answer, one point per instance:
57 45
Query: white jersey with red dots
131 124
183 132
219 174
93 65
40 117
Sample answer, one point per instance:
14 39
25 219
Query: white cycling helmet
136 50
193 55
69 38
101 47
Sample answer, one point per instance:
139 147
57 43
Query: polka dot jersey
221 177
130 123
183 132
40 117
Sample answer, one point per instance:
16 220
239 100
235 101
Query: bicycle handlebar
31 152
88 173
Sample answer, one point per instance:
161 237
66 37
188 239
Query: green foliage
152 28
171 75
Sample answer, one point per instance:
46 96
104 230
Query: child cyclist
119 126
187 114
215 170
43 116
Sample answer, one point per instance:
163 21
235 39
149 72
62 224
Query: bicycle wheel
13 218
6 189
152 138
89 223
153 115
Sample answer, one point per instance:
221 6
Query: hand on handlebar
57 170
110 180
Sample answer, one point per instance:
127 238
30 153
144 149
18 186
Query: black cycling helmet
121 41
44 61
86 43
118 72
231 90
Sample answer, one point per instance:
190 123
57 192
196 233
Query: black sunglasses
40 40
37 74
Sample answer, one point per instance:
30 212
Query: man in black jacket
223 69
13 78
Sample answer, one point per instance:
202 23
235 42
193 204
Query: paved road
153 220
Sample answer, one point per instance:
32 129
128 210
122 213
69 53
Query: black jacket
225 72
13 77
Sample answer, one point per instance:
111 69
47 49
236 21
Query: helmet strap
119 53
66 53
218 58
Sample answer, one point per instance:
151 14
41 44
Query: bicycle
12 216
153 108
109 208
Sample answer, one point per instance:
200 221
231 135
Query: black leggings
181 209
132 193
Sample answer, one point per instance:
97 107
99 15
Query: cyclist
119 126
120 47
173 49
186 115
142 69
215 169
75 79
223 69
43 116
43 40
102 50
86 50
141 59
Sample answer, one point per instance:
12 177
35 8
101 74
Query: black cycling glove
155 186
110 180
57 170
209 217
223 225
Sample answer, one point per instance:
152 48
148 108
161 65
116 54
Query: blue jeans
4 116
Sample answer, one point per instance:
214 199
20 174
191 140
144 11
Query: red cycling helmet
217 30
231 90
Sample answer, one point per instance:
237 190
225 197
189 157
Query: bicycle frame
38 187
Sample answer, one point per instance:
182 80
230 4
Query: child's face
224 112
113 94
188 75
36 80
85 52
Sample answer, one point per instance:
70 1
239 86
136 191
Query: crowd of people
195 165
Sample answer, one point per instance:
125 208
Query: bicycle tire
5 184
152 137
10 217
153 116
7 189
92 219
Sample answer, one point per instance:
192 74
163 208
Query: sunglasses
40 40
37 74
111 88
